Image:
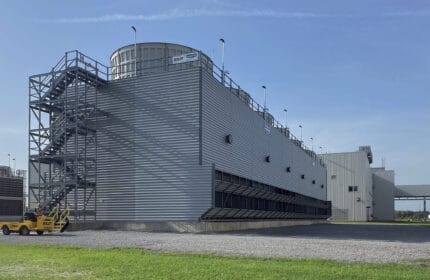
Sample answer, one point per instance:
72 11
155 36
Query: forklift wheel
6 230
24 230
39 232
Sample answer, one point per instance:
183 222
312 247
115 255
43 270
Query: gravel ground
368 243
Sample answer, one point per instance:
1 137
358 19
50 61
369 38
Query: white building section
357 191
349 184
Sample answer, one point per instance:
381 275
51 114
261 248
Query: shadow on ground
400 233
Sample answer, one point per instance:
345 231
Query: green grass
59 262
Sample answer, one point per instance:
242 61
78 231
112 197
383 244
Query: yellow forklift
54 221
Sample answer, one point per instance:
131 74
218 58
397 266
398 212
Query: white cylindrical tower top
154 58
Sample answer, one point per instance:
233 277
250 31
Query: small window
333 176
322 186
267 158
350 188
303 176
288 169
313 182
356 188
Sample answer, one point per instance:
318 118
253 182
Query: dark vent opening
229 139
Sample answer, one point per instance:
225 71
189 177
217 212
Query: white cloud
407 13
221 3
187 13
205 12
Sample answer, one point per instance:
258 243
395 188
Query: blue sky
351 72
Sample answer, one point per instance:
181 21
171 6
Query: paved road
369 243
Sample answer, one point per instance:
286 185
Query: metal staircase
62 138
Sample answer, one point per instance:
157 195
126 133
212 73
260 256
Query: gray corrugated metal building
177 142
349 184
357 191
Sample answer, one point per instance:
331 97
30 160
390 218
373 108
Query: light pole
321 148
8 155
222 59
14 166
265 98
312 143
286 124
135 50
301 133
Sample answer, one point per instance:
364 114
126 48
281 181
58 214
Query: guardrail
131 69
262 112
78 59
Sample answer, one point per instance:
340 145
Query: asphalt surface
345 242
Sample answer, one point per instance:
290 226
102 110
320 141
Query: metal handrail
117 73
81 60
255 106
78 59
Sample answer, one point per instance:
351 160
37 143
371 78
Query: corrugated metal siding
383 194
148 149
33 177
224 113
349 169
